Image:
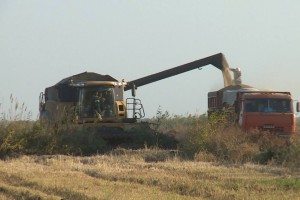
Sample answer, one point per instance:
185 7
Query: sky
42 42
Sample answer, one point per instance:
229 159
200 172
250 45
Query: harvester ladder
135 107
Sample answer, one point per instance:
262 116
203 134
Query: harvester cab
88 98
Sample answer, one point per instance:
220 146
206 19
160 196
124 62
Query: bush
12 140
276 150
36 138
205 157
219 140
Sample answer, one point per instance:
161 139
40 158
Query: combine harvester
97 101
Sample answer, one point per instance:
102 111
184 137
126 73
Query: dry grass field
141 174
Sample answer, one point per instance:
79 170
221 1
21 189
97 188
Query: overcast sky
42 42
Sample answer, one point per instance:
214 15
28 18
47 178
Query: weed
16 112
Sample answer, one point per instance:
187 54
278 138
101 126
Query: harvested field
128 174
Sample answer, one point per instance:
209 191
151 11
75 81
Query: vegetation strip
18 181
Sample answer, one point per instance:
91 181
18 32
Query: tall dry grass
16 111
19 135
216 139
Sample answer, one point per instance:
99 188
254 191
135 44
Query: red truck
252 108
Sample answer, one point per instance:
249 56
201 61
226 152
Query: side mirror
298 107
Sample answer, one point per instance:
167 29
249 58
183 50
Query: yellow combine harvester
90 100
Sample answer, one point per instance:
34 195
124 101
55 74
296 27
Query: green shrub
278 150
12 140
37 138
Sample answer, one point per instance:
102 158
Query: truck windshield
268 105
97 102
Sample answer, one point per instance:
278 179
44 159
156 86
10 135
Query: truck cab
267 111
251 108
